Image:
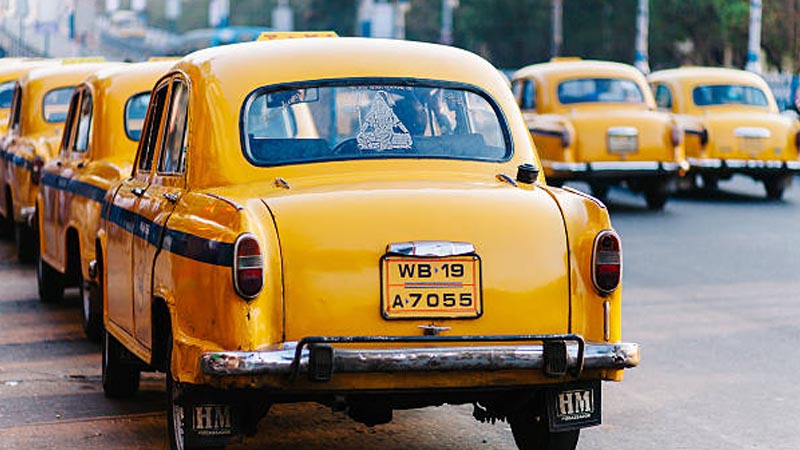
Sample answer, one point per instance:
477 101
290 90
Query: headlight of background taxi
248 266
606 262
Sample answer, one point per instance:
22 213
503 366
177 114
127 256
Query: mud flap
575 405
210 422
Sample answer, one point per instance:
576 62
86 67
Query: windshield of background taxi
372 119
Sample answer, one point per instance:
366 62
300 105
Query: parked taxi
11 69
595 121
329 232
732 125
97 149
39 109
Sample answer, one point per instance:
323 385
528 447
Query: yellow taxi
11 69
595 121
39 108
360 223
731 125
97 149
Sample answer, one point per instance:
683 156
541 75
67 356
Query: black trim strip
549 133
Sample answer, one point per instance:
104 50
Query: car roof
697 75
571 68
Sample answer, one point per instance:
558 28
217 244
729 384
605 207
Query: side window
55 104
66 138
528 95
150 133
516 89
174 147
135 111
663 98
6 94
84 126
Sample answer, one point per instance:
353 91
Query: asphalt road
711 291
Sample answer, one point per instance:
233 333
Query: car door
55 179
158 202
125 227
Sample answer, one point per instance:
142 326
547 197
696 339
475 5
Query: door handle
59 163
81 165
137 191
172 197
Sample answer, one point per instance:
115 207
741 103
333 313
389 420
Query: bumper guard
293 357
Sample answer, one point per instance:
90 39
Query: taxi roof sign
163 58
275 35
83 60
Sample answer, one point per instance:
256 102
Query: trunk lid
333 239
749 135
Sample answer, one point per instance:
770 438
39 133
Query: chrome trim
281 183
430 248
606 320
705 163
503 178
752 132
420 359
235 205
585 195
793 165
623 131
26 214
611 166
566 166
601 166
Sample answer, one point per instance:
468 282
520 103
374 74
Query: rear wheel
7 222
599 190
92 309
775 187
26 247
120 376
656 198
710 182
532 432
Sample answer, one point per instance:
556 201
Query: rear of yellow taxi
39 111
731 124
393 269
595 121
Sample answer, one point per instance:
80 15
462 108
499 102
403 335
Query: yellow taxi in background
97 149
732 125
39 109
328 231
595 121
11 69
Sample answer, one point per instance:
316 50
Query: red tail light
607 262
248 266
36 170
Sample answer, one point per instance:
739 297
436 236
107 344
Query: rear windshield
56 104
727 94
602 90
361 120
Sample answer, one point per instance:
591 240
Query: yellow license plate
431 288
623 144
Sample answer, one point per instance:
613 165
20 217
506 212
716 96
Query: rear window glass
6 94
56 104
599 90
726 94
135 110
361 120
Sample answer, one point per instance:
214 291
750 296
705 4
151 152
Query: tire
775 187
655 198
91 310
175 406
600 191
710 182
120 377
7 222
531 432
26 247
49 281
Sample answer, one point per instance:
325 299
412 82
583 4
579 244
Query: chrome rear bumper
743 164
601 169
421 359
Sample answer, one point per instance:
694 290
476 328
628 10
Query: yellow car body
255 261
731 124
595 121
39 109
11 69
97 149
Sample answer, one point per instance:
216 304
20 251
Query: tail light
248 266
36 170
606 262
703 137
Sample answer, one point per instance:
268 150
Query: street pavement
711 291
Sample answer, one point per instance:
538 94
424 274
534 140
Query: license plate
623 144
752 144
575 405
431 288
